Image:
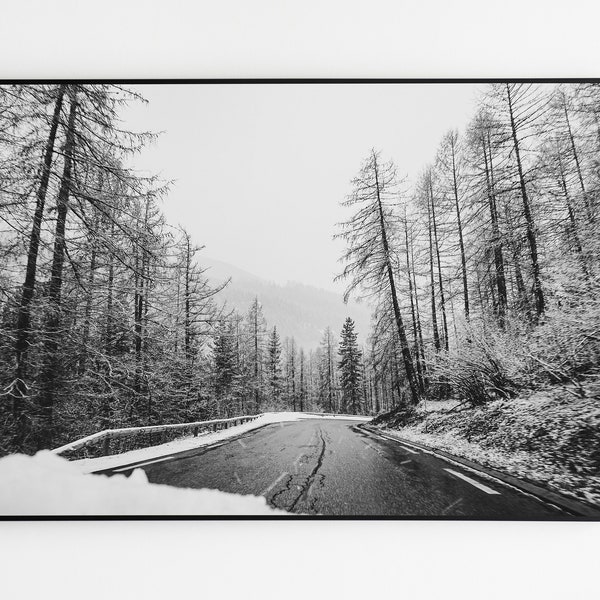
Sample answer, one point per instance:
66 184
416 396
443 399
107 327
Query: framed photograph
300 299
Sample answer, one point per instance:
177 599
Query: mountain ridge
298 309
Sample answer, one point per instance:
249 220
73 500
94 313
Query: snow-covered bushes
490 364
566 346
485 366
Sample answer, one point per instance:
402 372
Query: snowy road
331 467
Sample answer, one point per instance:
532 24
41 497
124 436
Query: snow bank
46 484
88 465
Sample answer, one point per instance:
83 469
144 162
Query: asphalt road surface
331 467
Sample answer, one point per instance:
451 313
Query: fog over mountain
298 310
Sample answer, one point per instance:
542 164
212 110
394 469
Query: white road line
405 462
265 492
385 437
148 462
478 485
455 503
485 475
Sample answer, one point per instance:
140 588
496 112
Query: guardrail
322 414
116 441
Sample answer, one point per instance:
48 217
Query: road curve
332 467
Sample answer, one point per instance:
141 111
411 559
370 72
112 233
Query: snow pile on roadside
46 484
550 437
88 465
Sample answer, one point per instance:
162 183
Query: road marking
485 475
405 462
451 506
265 492
385 437
143 464
374 449
478 485
241 443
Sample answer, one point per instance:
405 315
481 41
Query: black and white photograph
299 300
289 299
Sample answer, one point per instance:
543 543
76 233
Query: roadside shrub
401 416
492 364
566 347
485 366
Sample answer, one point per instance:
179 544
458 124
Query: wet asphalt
332 467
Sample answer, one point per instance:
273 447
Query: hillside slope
298 310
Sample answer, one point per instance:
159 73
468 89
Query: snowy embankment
550 437
48 485
88 465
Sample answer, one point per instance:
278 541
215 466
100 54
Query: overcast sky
260 170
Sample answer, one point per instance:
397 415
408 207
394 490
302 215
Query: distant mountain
298 310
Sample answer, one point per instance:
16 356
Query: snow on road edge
48 485
88 465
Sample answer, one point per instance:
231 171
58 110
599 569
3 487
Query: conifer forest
481 274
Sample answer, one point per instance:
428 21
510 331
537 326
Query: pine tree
256 328
224 367
350 368
274 366
327 374
302 382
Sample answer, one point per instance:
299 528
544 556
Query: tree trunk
586 200
434 323
108 345
463 259
301 382
439 265
408 364
329 374
500 276
531 235
188 335
412 310
88 307
515 249
572 219
256 394
418 315
19 391
51 345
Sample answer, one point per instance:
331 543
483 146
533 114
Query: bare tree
369 258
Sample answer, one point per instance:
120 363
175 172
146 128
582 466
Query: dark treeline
103 306
484 271
254 370
106 316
